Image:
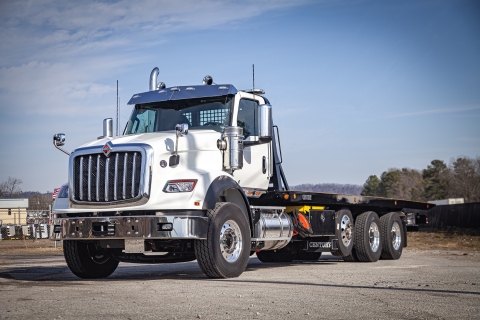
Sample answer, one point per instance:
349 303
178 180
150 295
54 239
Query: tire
368 240
87 261
345 233
392 236
269 256
227 249
352 257
308 256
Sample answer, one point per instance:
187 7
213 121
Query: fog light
164 227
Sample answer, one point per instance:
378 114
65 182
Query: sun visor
183 92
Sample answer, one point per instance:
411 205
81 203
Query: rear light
173 186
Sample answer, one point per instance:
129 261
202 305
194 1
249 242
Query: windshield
205 113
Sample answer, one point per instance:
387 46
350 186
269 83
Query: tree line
459 179
354 189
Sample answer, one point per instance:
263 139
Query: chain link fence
36 225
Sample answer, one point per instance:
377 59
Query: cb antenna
117 108
253 77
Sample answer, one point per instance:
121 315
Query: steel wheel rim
374 236
347 230
396 236
230 241
97 256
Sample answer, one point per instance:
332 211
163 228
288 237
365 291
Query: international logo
107 149
163 163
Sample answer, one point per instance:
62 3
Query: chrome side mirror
265 123
180 130
58 141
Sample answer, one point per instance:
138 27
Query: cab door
256 171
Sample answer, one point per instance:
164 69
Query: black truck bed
335 201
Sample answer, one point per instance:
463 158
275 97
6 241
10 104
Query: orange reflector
294 196
286 196
197 203
395 202
250 193
303 221
354 199
257 193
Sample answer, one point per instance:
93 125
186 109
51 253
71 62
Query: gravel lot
421 285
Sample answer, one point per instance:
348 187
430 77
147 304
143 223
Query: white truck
197 175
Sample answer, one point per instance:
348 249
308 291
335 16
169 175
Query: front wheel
226 251
87 260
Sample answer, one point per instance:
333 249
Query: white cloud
55 53
433 111
39 87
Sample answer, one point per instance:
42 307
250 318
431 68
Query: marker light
179 186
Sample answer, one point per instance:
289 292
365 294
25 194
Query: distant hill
353 189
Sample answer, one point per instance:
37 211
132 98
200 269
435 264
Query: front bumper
130 227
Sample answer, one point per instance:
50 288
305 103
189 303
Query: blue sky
357 87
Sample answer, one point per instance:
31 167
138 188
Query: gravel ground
421 285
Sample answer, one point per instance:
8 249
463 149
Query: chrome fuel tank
274 228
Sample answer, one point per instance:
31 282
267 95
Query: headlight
179 186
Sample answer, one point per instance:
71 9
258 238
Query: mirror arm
66 152
59 140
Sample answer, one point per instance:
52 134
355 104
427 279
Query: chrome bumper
131 227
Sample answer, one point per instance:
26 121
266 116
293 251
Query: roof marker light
207 80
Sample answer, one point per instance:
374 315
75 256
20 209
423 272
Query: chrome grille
97 178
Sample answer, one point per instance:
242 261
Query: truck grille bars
97 178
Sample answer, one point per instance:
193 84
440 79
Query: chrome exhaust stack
153 78
153 81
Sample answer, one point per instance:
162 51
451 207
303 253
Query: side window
247 117
144 122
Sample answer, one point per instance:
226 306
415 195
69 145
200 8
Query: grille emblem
322 217
107 149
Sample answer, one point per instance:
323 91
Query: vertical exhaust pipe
107 127
153 79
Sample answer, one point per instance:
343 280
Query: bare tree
11 187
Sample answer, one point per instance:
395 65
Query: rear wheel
226 251
368 242
87 260
352 257
392 236
345 233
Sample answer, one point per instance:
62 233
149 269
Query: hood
164 142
